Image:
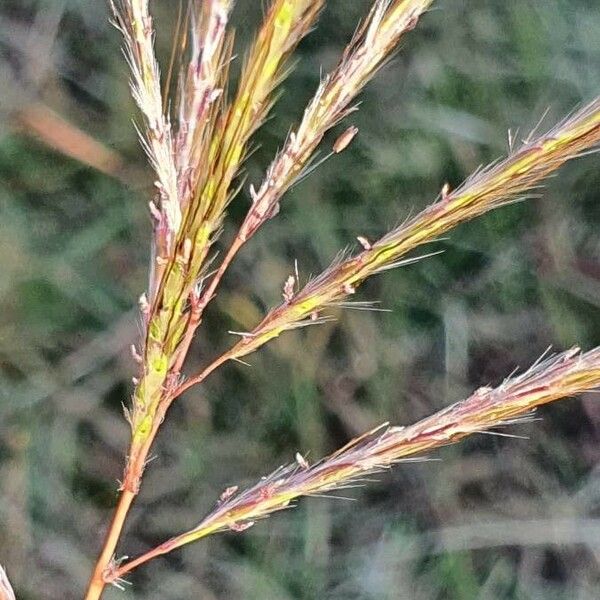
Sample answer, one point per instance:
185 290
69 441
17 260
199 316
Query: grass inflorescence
197 134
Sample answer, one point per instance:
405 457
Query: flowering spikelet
200 87
285 24
377 37
490 188
556 377
133 19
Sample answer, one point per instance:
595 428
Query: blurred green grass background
495 518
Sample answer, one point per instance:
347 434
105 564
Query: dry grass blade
39 120
490 188
6 591
556 377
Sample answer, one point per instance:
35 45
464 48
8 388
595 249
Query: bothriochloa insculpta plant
197 133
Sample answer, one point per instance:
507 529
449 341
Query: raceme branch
491 187
566 374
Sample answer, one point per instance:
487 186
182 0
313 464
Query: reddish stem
98 580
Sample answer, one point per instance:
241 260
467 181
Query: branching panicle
197 158
211 143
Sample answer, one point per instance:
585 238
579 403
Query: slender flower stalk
489 188
566 374
133 19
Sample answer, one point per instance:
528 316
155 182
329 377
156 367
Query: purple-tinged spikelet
559 376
